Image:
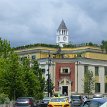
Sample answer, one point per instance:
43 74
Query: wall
71 76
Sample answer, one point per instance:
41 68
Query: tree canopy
89 82
104 46
18 79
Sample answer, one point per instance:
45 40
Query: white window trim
61 71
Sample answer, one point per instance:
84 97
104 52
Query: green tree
30 80
5 48
89 82
17 88
104 46
38 72
4 98
11 77
16 79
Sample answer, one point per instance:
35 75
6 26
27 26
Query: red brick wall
71 76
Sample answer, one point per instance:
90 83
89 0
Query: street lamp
77 76
49 63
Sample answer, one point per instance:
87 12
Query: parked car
45 101
58 102
25 102
76 100
98 95
95 102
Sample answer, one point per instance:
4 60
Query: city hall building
67 65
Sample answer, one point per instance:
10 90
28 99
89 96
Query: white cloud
36 21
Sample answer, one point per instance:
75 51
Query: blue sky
25 22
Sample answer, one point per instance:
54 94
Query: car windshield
76 97
46 99
58 99
98 96
22 100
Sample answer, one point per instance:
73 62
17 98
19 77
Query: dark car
25 102
98 95
45 102
95 102
76 100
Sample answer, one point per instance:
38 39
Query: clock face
64 38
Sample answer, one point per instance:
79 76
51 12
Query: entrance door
65 90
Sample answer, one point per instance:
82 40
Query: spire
62 25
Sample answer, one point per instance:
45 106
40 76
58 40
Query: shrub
4 98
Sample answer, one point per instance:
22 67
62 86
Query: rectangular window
33 57
43 71
21 59
105 69
85 69
96 71
97 87
65 70
105 87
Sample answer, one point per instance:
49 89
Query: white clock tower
62 35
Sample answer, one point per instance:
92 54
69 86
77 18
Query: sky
24 22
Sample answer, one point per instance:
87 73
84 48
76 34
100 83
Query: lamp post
77 76
49 63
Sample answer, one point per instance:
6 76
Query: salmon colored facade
70 76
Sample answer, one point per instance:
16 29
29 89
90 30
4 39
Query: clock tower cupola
62 35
